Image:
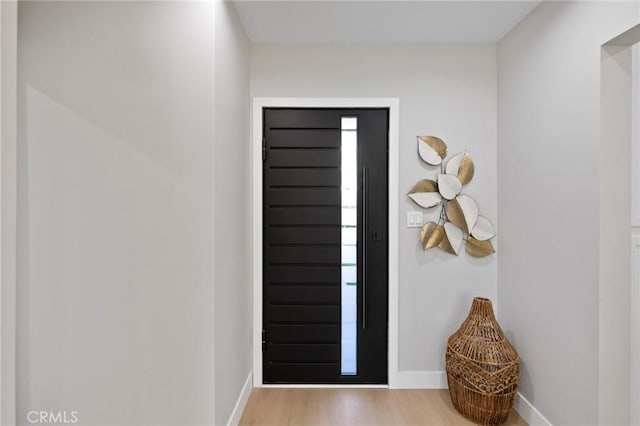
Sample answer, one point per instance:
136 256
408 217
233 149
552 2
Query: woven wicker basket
482 367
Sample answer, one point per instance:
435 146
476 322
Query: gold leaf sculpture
469 209
446 246
455 215
425 185
454 236
466 170
449 186
462 166
425 193
432 149
431 235
460 220
483 230
477 248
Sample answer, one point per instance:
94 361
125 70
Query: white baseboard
236 414
421 380
528 412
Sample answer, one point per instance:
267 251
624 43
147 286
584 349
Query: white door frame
256 214
619 211
634 367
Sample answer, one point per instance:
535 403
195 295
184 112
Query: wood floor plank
354 407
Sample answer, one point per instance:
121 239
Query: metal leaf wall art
459 221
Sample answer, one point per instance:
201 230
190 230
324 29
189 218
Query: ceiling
309 21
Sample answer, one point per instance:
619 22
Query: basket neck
481 307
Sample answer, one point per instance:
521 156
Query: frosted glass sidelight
349 246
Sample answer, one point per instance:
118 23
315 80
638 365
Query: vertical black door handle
364 245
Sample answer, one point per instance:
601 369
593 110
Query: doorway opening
619 290
339 296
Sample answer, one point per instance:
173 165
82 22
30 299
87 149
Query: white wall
8 130
633 77
548 161
232 214
449 91
116 303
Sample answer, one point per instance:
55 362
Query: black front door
325 245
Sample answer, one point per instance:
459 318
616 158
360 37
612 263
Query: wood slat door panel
304 333
308 119
279 236
304 254
310 196
318 352
303 215
301 177
305 158
302 294
303 274
302 138
295 372
306 314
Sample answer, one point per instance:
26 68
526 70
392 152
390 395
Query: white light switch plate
414 219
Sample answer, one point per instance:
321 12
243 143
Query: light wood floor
354 407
